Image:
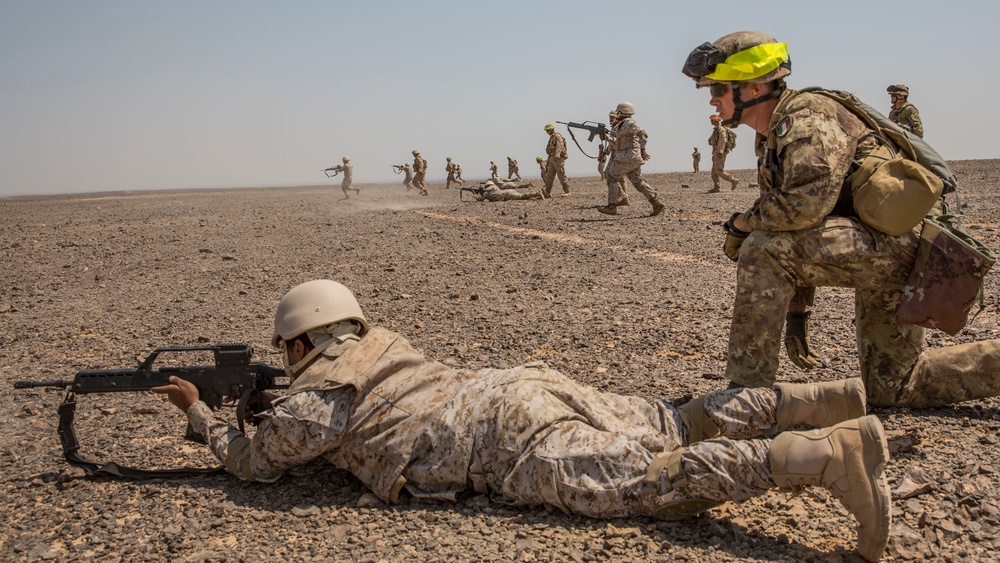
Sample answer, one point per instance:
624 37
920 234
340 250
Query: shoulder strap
912 146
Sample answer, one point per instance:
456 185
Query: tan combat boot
849 460
657 207
714 190
608 210
820 404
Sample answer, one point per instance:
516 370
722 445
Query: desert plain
628 304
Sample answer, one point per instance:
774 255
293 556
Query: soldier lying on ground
368 402
504 190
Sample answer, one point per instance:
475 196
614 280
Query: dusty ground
629 304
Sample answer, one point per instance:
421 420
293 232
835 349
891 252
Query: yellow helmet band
751 63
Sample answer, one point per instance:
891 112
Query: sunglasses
718 89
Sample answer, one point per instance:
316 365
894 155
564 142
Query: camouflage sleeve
912 117
297 429
814 153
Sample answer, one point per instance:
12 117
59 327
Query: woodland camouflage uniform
800 238
908 118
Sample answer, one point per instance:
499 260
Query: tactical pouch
946 279
893 194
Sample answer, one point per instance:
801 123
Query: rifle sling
71 446
572 136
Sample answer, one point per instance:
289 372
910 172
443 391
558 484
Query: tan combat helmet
741 57
326 310
898 89
538 159
346 159
549 127
448 158
625 108
415 152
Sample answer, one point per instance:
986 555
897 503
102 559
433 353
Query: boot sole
873 438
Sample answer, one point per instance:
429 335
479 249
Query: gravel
628 304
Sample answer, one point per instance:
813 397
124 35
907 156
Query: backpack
730 140
897 184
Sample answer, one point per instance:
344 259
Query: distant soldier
696 155
419 171
629 153
541 164
512 171
722 141
458 172
450 169
904 113
408 169
494 175
503 190
556 163
348 169
604 148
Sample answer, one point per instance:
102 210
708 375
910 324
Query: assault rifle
336 170
475 191
595 129
398 168
233 377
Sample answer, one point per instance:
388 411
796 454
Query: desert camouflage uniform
628 142
348 169
555 164
908 118
526 436
512 171
504 190
458 173
801 239
719 141
603 150
419 171
408 176
450 169
541 166
696 155
494 175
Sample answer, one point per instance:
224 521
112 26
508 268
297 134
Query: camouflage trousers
451 179
510 195
418 182
696 163
719 171
345 185
513 172
555 167
842 252
617 171
548 440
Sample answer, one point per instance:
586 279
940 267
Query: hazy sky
135 95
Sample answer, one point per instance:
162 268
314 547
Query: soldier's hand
645 155
797 344
734 238
181 393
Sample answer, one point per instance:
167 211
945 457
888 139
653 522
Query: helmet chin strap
739 105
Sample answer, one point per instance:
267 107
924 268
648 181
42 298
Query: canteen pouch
946 279
892 194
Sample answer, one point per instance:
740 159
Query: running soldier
419 172
450 169
903 113
366 401
556 163
494 175
722 140
798 234
512 170
628 153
